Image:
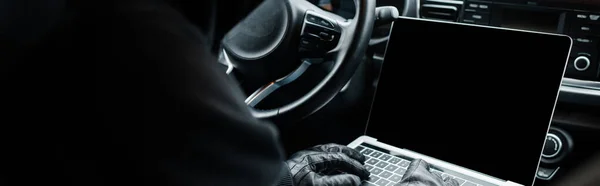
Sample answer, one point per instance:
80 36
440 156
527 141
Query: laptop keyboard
387 170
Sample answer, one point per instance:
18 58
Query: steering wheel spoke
266 90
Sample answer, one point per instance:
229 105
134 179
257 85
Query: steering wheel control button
326 36
309 43
319 21
326 23
545 173
311 18
581 63
553 146
317 39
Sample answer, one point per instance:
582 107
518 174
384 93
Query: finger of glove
438 176
339 161
332 147
418 172
300 160
301 154
450 182
416 165
315 179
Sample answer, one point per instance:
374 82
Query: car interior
324 87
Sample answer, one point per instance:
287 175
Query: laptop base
386 164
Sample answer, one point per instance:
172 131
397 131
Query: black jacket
128 94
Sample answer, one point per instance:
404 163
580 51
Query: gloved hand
418 174
328 165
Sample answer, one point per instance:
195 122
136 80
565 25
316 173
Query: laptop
475 102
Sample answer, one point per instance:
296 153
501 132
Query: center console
582 26
579 19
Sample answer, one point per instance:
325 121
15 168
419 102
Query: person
128 92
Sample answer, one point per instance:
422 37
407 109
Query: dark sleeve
173 116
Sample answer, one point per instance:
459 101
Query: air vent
445 10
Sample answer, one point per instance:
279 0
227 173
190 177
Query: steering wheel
267 44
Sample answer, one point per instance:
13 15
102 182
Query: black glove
418 174
328 165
